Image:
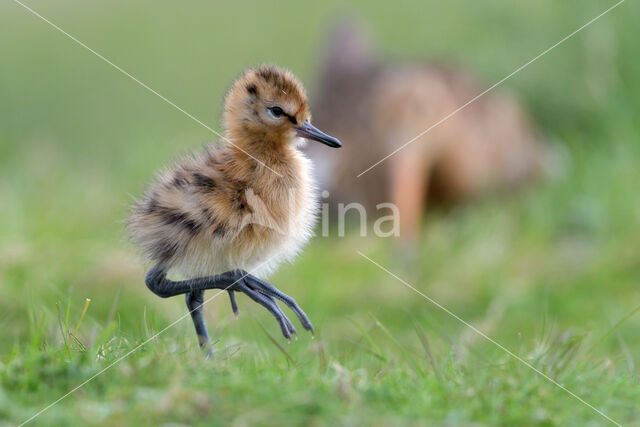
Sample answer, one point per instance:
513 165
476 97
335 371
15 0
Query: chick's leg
232 281
195 301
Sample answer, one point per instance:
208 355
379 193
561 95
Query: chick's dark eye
276 111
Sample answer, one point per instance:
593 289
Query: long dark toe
270 290
270 305
292 329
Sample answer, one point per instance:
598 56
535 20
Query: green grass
552 273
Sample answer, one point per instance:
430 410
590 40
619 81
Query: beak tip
308 131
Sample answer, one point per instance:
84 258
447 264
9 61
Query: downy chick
245 206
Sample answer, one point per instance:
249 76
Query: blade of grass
427 348
112 313
275 342
376 350
75 339
367 349
144 321
62 332
625 351
66 320
37 326
322 357
87 301
104 336
114 305
403 350
614 328
567 354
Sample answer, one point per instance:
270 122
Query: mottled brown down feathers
247 204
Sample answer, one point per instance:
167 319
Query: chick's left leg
195 301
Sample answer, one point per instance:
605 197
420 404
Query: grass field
552 274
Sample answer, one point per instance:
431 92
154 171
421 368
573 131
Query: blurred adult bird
243 207
491 146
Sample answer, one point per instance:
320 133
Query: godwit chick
243 207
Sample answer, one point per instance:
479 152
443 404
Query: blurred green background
552 274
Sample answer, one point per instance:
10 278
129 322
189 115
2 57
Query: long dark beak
309 131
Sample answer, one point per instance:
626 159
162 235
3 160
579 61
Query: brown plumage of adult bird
228 215
490 146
